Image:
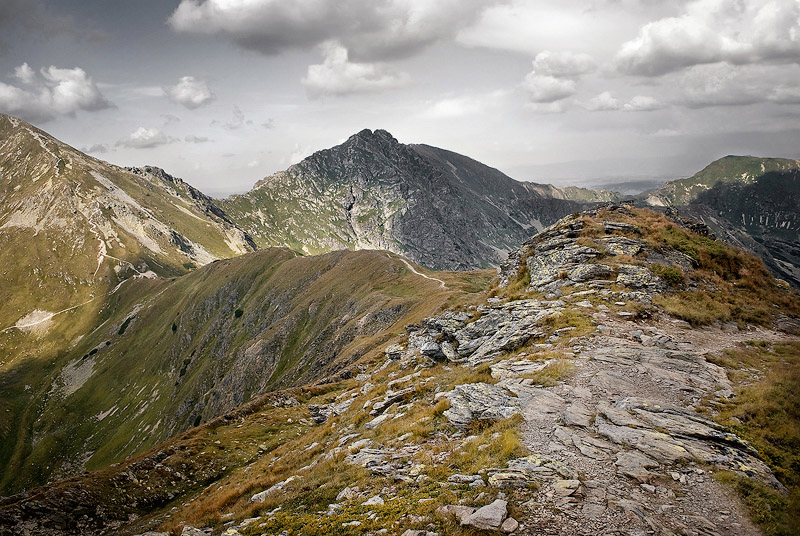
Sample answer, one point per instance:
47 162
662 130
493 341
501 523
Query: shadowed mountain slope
438 208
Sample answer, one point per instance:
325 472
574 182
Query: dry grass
766 412
495 444
727 284
552 374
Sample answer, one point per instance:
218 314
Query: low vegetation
726 284
766 412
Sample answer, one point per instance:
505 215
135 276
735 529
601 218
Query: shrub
672 275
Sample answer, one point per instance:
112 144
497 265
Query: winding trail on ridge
441 283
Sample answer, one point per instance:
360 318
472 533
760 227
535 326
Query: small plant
672 275
124 326
552 374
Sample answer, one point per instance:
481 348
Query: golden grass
552 374
766 412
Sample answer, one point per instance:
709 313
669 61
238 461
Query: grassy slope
205 343
49 204
766 412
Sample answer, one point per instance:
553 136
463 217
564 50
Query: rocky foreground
568 403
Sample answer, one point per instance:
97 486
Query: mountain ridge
440 209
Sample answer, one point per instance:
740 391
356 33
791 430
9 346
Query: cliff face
438 208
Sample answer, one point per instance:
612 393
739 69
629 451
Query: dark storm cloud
371 30
33 19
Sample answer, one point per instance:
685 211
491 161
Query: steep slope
440 209
747 201
74 233
166 355
761 216
576 402
730 169
72 228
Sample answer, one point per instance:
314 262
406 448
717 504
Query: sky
225 92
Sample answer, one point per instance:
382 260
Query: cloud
170 119
145 138
24 20
268 124
713 31
299 153
453 107
642 103
50 93
189 92
705 86
97 148
337 75
545 89
563 64
196 139
605 102
238 120
465 105
371 30
785 95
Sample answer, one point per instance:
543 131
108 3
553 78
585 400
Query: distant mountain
438 208
762 216
750 202
740 169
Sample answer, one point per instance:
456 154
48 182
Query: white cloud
145 138
465 105
545 88
196 139
337 75
299 153
51 93
371 30
453 107
642 103
713 31
97 148
605 102
25 74
189 92
563 64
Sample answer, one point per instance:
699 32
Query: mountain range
138 309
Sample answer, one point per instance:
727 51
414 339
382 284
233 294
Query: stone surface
479 401
489 517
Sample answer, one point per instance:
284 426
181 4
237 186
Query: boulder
489 517
375 500
458 511
479 401
395 352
